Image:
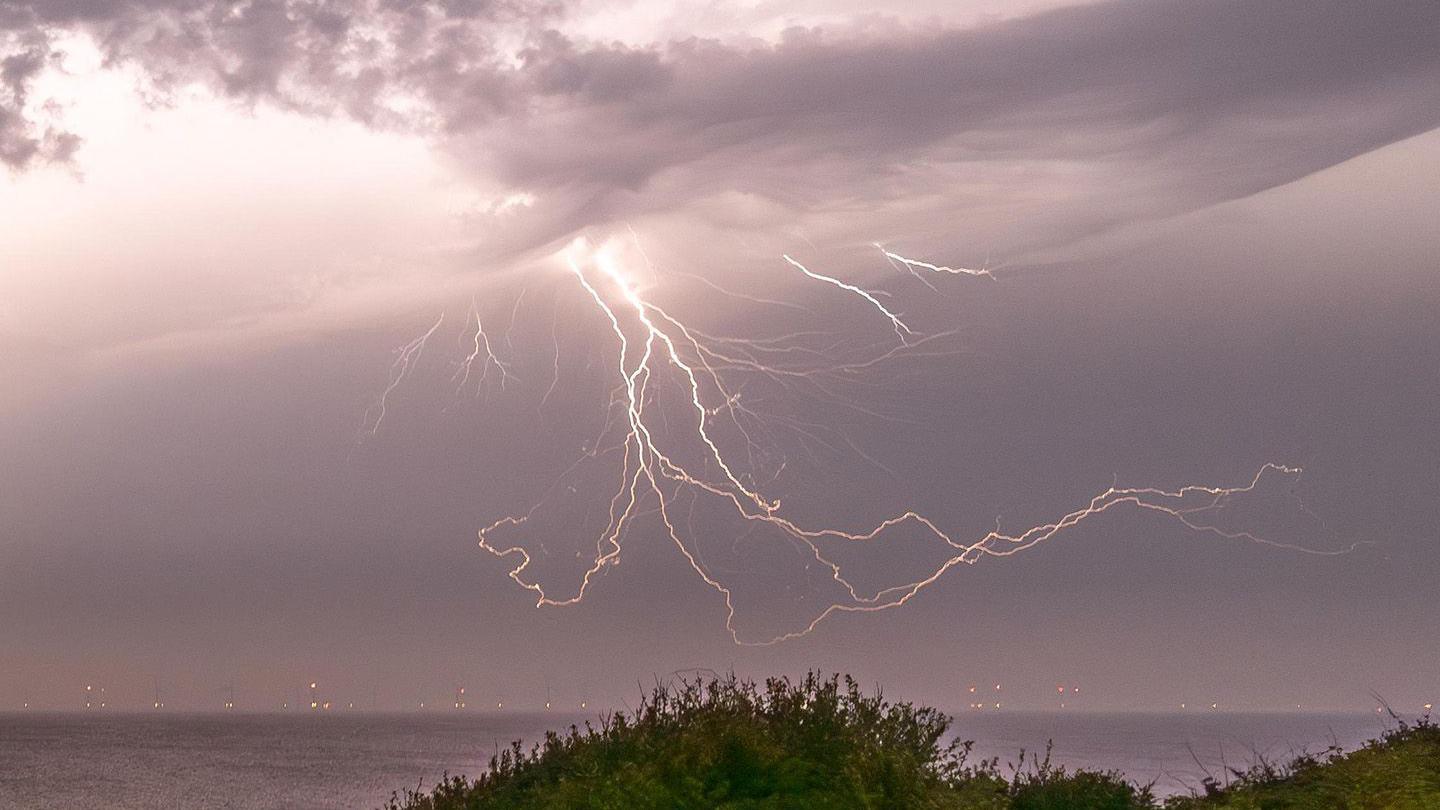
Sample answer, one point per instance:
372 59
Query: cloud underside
1073 120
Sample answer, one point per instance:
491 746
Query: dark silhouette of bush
1043 786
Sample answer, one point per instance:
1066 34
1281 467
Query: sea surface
343 761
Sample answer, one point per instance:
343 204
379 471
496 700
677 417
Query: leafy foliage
822 743
733 744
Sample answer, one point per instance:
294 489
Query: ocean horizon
356 760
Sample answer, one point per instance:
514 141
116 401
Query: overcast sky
244 247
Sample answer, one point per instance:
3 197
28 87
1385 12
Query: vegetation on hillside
822 743
1399 771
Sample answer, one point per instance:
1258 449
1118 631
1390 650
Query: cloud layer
1113 111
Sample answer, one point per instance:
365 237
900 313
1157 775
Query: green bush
1399 771
726 743
821 743
1046 787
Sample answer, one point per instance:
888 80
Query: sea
345 761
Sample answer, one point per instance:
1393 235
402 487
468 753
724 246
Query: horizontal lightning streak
912 264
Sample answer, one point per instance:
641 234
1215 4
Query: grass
1399 771
822 743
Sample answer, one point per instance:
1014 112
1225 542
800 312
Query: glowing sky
1211 229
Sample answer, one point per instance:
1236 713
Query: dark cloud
22 57
318 56
1179 104
1193 102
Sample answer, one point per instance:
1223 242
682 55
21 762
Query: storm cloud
1163 106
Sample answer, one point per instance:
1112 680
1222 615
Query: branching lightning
901 328
406 358
480 344
913 265
654 347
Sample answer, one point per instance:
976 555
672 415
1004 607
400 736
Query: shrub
733 744
822 743
1399 771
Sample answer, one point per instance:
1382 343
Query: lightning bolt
480 345
912 265
652 343
901 329
406 358
555 356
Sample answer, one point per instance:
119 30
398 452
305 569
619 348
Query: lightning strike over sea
653 346
390 387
